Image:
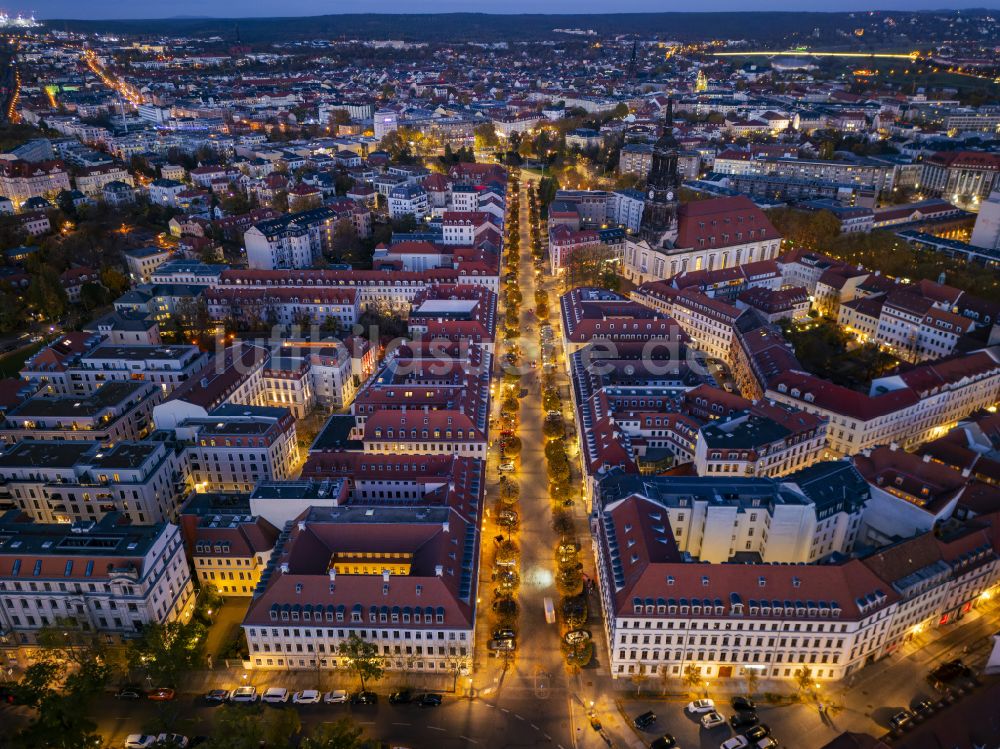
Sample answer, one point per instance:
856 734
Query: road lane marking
471 741
505 710
402 724
435 728
518 716
534 726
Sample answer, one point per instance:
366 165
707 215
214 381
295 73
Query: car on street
758 732
712 720
172 739
947 673
275 695
742 704
767 742
507 466
139 740
161 694
901 720
129 693
506 644
404 697
744 720
701 706
735 742
645 720
504 634
923 708
216 696
336 697
244 695
306 697
364 698
666 741
429 699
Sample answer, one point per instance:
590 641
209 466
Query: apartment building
907 408
665 615
142 261
765 440
228 547
100 362
458 313
108 576
708 322
373 286
910 326
59 482
283 306
281 502
236 446
403 578
21 180
913 493
233 375
725 519
295 240
114 412
592 315
93 179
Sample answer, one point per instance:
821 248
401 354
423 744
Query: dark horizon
111 11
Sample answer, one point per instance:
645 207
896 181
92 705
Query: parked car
404 697
701 706
666 741
500 645
901 720
217 696
172 739
139 740
712 720
336 697
430 699
504 634
129 692
275 695
735 742
743 704
758 732
508 466
744 720
645 720
767 742
245 694
161 694
364 698
306 697
923 708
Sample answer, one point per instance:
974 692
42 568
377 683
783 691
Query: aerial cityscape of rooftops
473 381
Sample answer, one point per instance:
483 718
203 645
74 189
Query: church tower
659 217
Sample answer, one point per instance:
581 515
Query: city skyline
183 9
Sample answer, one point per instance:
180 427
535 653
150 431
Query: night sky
91 9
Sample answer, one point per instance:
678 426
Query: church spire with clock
659 217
